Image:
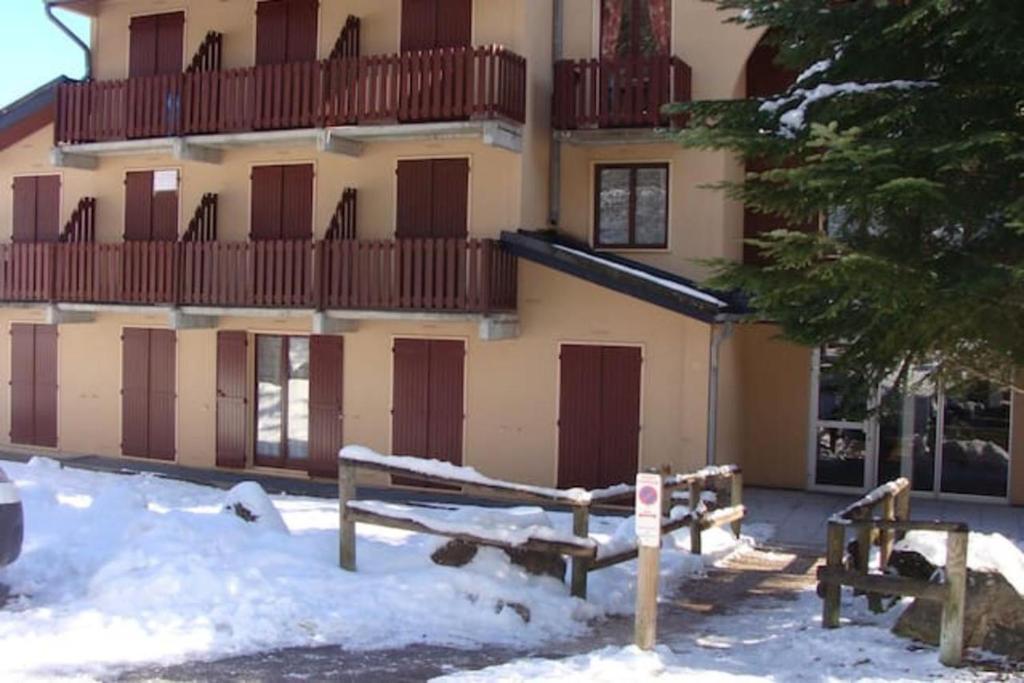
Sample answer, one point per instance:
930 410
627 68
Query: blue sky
34 51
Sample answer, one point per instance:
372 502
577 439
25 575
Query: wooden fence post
347 528
696 487
580 565
736 498
886 537
903 509
951 644
836 539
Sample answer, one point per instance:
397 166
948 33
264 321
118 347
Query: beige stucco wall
511 386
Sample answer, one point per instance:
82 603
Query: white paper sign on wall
648 510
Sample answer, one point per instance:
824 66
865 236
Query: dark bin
12 521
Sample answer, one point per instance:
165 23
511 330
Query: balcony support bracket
502 137
497 328
57 316
325 324
61 159
187 151
178 320
328 142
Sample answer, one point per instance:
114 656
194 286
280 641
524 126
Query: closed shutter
419 24
266 202
445 401
23 396
45 405
156 44
410 395
142 46
135 392
165 211
450 198
297 202
24 208
170 43
454 23
302 25
138 206
162 397
232 398
599 415
326 384
415 212
286 31
48 208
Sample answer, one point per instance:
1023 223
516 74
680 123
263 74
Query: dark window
635 28
433 196
282 202
34 385
631 206
286 31
151 206
430 24
282 401
156 44
36 209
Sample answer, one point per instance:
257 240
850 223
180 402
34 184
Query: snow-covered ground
121 571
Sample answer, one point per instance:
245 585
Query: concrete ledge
602 137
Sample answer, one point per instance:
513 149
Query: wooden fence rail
444 84
892 502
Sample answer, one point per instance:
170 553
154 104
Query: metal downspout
48 6
719 336
555 156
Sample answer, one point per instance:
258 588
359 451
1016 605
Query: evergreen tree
903 138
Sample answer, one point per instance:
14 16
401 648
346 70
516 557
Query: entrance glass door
282 401
842 440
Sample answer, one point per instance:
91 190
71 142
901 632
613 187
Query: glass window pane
841 457
976 439
269 394
613 206
298 398
651 205
840 398
907 422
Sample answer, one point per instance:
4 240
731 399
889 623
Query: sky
33 50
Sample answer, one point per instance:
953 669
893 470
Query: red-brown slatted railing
89 273
203 226
26 271
347 44
208 56
149 272
273 273
343 221
431 85
628 92
81 227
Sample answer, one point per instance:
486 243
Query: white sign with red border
648 510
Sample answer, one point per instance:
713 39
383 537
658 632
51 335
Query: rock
519 608
456 553
250 502
993 614
912 565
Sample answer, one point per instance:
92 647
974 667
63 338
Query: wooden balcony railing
448 84
623 93
443 275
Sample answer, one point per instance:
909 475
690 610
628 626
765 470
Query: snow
468 475
258 508
985 553
122 571
644 275
792 120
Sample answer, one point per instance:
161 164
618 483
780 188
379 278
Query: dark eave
640 281
28 114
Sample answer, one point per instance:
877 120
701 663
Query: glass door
282 401
842 435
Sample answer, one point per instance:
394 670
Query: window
635 28
281 202
631 206
156 44
36 209
286 31
151 206
282 401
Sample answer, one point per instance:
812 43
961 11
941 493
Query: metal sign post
648 537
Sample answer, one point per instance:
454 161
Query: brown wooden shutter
142 49
454 23
579 416
135 392
450 198
445 400
415 211
23 397
138 206
165 216
326 386
24 208
302 30
297 201
410 396
232 398
419 24
45 409
162 393
170 43
47 208
266 202
271 32
620 414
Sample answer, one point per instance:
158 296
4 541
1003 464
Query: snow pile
250 502
120 571
985 553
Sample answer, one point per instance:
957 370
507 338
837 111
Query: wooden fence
444 275
628 92
582 550
892 503
444 84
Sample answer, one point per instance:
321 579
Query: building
451 228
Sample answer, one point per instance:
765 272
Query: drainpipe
719 336
555 156
48 6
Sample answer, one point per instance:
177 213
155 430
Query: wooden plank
900 525
951 640
884 584
833 562
347 535
580 568
729 515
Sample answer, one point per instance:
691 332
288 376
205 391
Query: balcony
625 93
431 86
442 276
